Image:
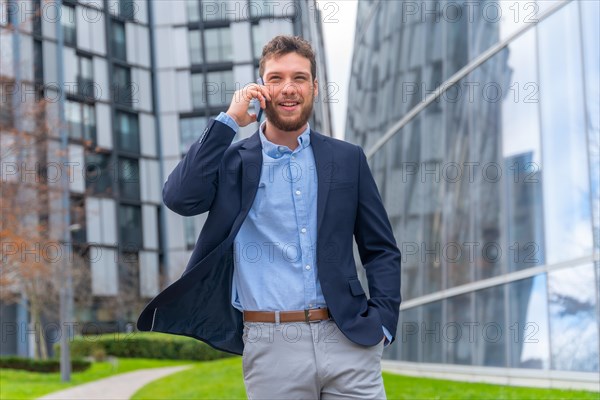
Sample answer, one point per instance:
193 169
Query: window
217 11
190 232
130 225
258 8
67 20
38 65
85 76
127 9
119 46
89 122
193 12
104 278
218 45
7 14
129 178
217 90
128 134
98 173
219 87
81 121
409 341
189 131
527 332
122 85
6 111
195 46
573 320
198 93
129 281
37 18
258 40
77 211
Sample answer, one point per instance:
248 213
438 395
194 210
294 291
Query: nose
289 88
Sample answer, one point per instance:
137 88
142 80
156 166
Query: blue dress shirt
275 265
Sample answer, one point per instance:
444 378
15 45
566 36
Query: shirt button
298 192
303 230
307 267
281 148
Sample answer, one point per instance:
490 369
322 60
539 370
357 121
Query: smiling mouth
289 105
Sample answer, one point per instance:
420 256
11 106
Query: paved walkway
117 387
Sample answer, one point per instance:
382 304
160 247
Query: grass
406 387
16 384
219 379
222 379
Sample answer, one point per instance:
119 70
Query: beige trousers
299 360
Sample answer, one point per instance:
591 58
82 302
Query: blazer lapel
326 171
251 154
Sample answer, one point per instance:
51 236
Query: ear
316 87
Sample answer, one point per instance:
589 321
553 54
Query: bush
144 345
47 366
98 353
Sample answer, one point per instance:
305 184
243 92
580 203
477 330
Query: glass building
481 124
141 79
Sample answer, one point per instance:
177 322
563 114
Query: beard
287 124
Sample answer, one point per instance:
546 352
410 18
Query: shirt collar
275 150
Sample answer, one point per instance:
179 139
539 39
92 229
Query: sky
338 21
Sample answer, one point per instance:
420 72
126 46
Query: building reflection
489 188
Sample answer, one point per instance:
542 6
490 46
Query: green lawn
219 379
16 384
222 379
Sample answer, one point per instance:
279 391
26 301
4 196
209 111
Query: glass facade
491 187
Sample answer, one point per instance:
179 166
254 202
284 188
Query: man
273 275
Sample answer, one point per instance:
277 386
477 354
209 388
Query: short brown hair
285 44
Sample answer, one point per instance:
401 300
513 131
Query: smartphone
257 108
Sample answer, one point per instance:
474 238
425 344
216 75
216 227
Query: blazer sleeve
378 250
190 188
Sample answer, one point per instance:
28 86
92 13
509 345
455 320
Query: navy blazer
222 178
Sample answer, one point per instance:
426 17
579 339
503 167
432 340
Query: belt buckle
307 316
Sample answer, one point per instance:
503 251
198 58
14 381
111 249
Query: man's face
292 90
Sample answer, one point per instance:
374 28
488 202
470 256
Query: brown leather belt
313 314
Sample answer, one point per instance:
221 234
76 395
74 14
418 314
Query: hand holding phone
252 94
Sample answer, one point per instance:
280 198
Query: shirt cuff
388 336
227 120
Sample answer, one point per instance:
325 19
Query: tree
30 251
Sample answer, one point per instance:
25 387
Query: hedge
144 345
29 364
